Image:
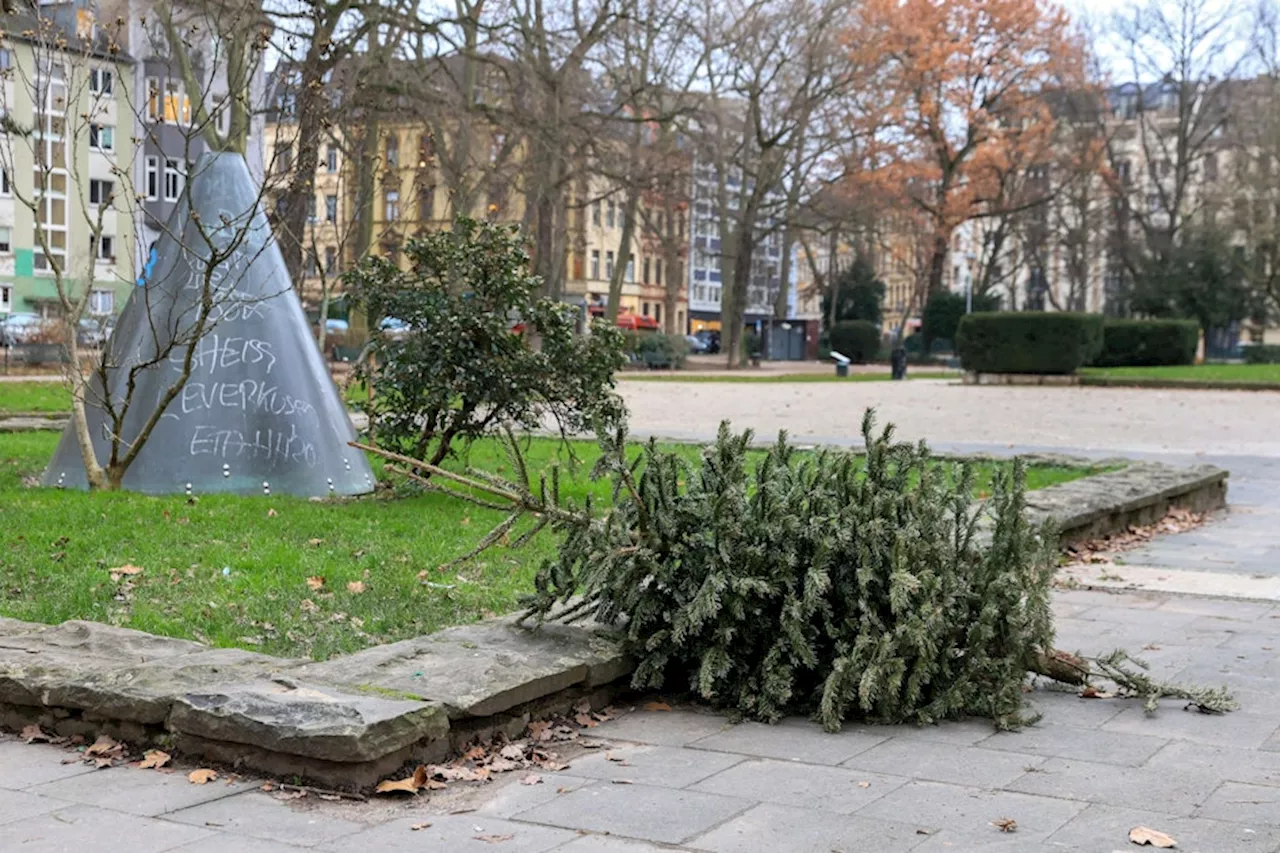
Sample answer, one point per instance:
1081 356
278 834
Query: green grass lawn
233 571
1192 373
750 376
34 397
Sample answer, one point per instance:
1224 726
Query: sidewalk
688 780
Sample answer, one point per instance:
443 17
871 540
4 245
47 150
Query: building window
313 264
154 111
102 137
106 247
311 209
100 192
610 215
330 259
595 263
101 81
222 117
6 244
646 270
644 309
595 213
6 293
631 269
102 301
393 152
608 265
425 151
172 180
6 58
331 159
392 206
657 271
5 187
657 312
331 208
153 178
177 106
284 157
497 198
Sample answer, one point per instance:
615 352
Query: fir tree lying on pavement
833 584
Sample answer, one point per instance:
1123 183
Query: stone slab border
352 720
974 378
1174 384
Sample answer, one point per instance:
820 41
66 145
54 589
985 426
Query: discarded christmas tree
830 584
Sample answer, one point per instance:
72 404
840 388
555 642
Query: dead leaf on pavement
657 706
102 746
586 721
512 752
154 758
475 753
315 582
494 839
864 784
355 587
531 779
540 730
563 790
34 734
623 782
410 785
418 826
1005 824
1091 692
201 776
1142 835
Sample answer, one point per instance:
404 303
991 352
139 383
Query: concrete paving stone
788 829
827 789
1261 767
678 727
942 762
795 740
146 793
221 843
452 833
667 766
259 815
1243 611
959 732
645 812
1257 694
25 764
1177 792
966 812
1094 598
1066 609
1240 802
18 805
509 797
1060 707
1239 728
1252 643
98 830
1059 741
1103 828
607 844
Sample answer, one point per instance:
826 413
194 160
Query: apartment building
61 206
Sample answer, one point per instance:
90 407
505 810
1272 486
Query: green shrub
464 366
1142 343
1262 354
1028 342
656 348
857 339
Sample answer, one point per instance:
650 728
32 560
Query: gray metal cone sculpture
258 413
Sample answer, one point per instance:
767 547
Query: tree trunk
630 209
781 304
672 286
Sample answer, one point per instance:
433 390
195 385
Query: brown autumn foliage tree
966 82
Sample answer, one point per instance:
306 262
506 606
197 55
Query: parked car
697 345
94 331
18 329
394 328
710 341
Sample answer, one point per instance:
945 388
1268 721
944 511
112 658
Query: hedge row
1060 342
1028 341
1262 354
1146 343
859 340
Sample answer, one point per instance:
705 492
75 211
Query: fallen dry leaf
563 790
201 776
1091 692
313 543
153 758
1142 835
34 734
410 785
494 839
586 721
126 569
512 752
102 746
657 706
864 784
540 730
355 587
531 779
315 582
503 765
1005 824
475 753
308 606
623 782
271 513
418 826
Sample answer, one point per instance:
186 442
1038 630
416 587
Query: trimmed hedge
857 339
1028 341
1148 343
1262 354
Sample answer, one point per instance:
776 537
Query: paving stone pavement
690 780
